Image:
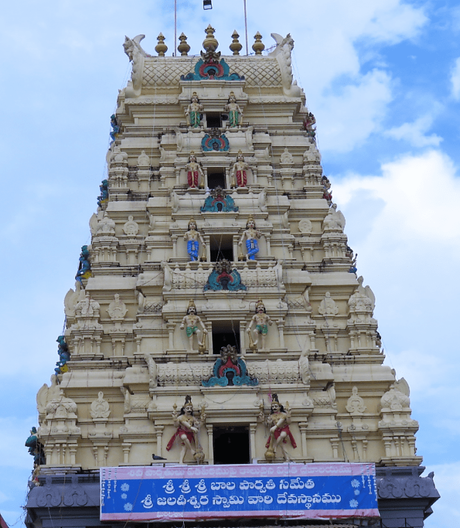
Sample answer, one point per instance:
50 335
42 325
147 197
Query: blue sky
382 78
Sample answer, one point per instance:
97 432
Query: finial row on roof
210 43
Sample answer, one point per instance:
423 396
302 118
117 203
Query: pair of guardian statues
257 328
196 178
188 427
196 246
194 110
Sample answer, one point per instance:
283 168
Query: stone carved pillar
252 440
210 430
159 434
303 426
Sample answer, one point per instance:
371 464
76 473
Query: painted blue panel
274 490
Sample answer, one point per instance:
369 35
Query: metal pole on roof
246 27
175 27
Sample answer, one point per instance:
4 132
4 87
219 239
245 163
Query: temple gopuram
220 363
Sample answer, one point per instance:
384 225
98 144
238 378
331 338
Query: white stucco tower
219 273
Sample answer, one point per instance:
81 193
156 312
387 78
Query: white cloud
415 133
350 115
417 191
455 79
407 236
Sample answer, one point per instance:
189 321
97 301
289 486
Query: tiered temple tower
217 316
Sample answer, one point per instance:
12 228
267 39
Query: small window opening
216 178
231 445
221 247
225 333
214 120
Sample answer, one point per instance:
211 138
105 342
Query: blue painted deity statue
84 268
104 196
115 127
250 235
193 239
35 448
64 356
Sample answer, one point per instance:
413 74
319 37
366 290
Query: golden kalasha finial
235 46
161 47
258 45
183 47
210 42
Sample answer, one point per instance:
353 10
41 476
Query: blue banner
305 491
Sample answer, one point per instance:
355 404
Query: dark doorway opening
225 333
231 445
221 247
216 179
214 120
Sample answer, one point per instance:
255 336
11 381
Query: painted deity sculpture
250 235
258 326
187 431
193 111
64 356
194 239
115 127
195 174
239 174
104 196
84 267
35 448
235 114
278 421
193 325
309 126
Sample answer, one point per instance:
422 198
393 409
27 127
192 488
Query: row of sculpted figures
257 328
196 243
196 177
194 110
188 424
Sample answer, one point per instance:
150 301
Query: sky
383 80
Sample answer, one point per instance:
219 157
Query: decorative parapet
273 372
184 278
